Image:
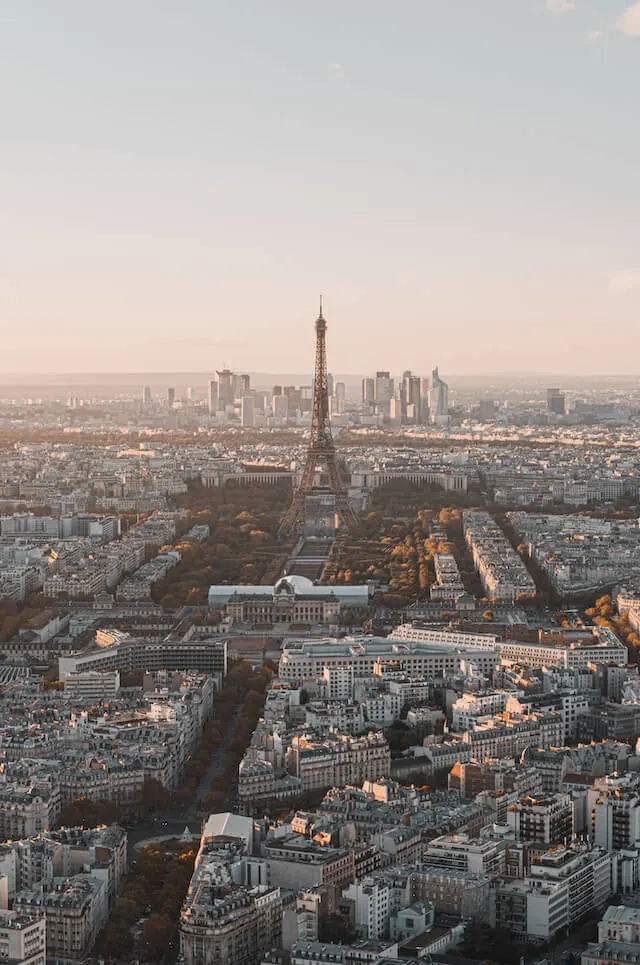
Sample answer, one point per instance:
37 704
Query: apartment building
338 759
296 862
225 922
22 938
463 893
75 910
371 907
544 820
504 576
470 706
448 586
618 938
399 846
562 887
530 911
607 953
614 805
464 853
495 774
620 924
507 736
587 874
27 810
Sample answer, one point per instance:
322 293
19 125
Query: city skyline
178 185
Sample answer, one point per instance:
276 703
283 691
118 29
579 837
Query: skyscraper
213 396
146 395
280 406
341 392
438 398
384 391
247 411
226 388
410 397
424 396
556 402
171 397
368 391
487 410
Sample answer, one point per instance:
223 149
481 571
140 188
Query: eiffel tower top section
321 322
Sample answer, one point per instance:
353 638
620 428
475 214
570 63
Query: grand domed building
293 599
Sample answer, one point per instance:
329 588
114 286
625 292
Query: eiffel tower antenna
321 454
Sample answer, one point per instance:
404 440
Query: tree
88 814
155 796
157 933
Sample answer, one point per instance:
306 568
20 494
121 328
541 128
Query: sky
181 179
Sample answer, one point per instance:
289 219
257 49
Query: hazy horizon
183 379
181 181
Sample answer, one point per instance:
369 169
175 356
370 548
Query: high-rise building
247 411
368 391
171 397
384 391
487 410
213 396
438 398
226 388
340 396
330 384
146 395
294 398
556 402
424 396
191 394
280 406
410 397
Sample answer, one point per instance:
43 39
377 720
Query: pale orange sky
179 181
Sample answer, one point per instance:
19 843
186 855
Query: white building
92 685
620 924
22 938
371 899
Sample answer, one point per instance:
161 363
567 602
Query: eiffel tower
321 455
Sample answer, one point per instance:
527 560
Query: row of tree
144 920
243 546
225 738
397 548
603 614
